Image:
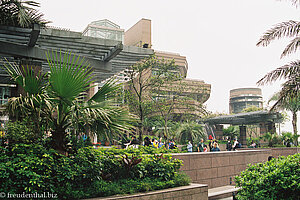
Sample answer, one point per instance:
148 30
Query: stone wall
219 168
190 192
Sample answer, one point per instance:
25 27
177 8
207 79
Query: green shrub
87 173
19 132
276 179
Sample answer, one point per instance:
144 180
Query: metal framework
246 118
107 57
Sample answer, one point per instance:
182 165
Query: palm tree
57 100
191 131
20 13
288 103
289 93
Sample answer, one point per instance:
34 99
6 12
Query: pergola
265 118
107 57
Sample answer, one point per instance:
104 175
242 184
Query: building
140 35
242 98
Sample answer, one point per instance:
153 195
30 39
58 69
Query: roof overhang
246 118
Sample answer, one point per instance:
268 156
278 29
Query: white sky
218 37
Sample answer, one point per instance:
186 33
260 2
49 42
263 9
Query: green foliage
20 13
87 173
232 132
256 140
19 132
272 139
276 179
190 131
251 109
57 100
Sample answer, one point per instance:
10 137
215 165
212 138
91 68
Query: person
235 144
134 142
147 142
210 144
215 147
190 147
253 145
154 143
201 146
229 145
172 145
160 143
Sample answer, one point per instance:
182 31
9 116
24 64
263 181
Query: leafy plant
276 179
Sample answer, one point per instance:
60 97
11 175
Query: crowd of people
212 145
151 142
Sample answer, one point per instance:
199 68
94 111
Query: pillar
243 132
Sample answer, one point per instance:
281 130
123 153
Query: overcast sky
218 37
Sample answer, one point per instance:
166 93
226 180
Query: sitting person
154 143
160 143
253 145
147 142
215 147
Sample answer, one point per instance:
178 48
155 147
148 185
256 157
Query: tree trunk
294 122
58 140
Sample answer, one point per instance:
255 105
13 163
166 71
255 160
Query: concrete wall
217 168
193 191
139 34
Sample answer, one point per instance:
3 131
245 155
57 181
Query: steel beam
18 50
113 52
34 35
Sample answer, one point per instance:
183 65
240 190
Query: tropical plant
232 132
190 131
289 93
291 104
58 100
20 13
272 139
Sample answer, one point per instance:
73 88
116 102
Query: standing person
190 147
215 147
210 144
229 145
201 146
235 144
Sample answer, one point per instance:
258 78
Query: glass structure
104 29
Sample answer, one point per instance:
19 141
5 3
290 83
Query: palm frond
285 29
106 90
291 47
68 77
294 2
286 72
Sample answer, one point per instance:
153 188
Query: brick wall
217 168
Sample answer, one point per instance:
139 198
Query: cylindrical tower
242 98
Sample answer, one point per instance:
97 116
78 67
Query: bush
87 173
276 179
19 132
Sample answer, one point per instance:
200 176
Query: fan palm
20 13
191 131
60 100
